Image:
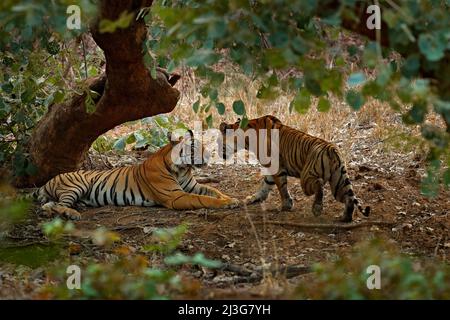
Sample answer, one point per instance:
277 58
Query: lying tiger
313 160
159 180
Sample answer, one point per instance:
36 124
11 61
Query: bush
402 277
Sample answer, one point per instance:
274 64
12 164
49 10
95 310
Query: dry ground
420 226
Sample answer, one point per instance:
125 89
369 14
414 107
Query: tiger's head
188 151
236 136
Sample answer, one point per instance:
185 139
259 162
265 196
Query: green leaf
313 86
213 94
370 55
356 79
217 29
244 122
58 96
411 66
209 121
196 105
384 75
200 259
202 57
418 112
238 107
323 105
352 50
120 144
432 46
354 99
220 108
7 87
301 102
177 259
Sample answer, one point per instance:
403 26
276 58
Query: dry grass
375 123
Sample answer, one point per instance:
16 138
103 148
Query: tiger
313 160
164 178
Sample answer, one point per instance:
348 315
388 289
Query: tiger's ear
172 138
223 127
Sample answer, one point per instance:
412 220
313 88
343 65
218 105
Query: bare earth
244 237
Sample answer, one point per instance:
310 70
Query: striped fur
313 160
157 181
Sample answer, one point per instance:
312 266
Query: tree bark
127 92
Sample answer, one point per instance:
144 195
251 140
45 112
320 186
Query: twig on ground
245 275
346 226
127 216
136 226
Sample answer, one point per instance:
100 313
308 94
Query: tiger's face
231 139
188 151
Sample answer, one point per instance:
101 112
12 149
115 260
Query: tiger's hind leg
263 192
348 211
311 184
286 199
317 207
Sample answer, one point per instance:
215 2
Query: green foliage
166 240
12 209
402 277
198 259
153 136
34 59
56 228
132 276
264 38
128 277
103 144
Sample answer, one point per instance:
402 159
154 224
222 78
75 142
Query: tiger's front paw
252 199
233 203
72 214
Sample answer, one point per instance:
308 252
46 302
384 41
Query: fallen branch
136 226
251 276
344 226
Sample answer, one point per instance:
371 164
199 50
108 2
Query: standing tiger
165 178
313 160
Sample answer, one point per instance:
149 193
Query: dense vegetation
44 63
287 47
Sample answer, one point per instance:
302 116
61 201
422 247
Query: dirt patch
420 226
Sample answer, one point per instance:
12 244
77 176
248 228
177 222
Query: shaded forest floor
242 237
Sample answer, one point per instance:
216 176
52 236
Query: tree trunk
127 91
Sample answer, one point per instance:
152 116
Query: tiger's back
314 160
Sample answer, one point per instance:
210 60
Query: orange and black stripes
157 181
313 160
